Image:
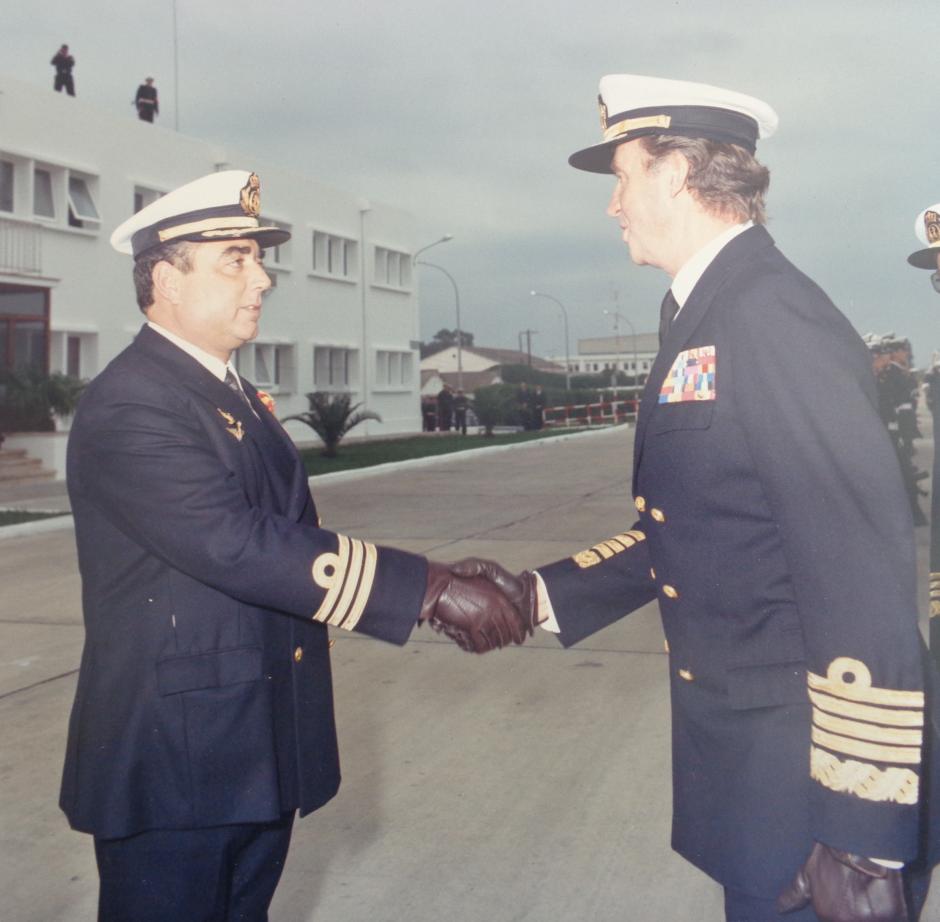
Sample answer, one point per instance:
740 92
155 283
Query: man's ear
679 170
166 282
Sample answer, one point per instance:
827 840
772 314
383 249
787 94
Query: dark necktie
232 382
667 312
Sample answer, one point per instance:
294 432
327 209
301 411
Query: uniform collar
215 366
687 277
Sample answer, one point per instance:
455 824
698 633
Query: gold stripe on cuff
893 718
863 731
364 589
332 582
853 747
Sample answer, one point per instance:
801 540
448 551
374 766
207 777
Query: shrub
331 416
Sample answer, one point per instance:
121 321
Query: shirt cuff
544 611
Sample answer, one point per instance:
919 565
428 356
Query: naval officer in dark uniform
773 530
147 101
203 716
927 229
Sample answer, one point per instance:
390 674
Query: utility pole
528 338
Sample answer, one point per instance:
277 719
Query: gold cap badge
250 196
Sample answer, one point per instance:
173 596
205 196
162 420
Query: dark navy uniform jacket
204 695
775 533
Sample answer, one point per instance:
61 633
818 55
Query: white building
624 353
342 317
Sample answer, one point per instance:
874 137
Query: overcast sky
464 114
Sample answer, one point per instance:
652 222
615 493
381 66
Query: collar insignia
250 196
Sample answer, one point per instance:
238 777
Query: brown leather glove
845 888
473 612
520 590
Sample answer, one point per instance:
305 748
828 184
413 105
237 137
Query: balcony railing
20 247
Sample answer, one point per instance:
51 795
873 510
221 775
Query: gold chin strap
209 224
633 124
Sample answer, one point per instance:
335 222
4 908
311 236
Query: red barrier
591 414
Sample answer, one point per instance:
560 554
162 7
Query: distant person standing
445 408
927 229
538 407
63 63
146 101
461 402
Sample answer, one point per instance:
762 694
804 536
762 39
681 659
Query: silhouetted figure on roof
63 63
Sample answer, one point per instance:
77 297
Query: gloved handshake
478 604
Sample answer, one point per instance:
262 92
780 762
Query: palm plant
30 400
331 416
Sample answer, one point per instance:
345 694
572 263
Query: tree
444 339
494 406
331 416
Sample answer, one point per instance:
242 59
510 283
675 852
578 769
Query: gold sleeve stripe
893 718
350 583
607 549
871 732
853 747
365 588
347 576
868 782
860 688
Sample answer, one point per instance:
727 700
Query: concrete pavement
425 826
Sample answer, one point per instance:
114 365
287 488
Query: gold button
640 503
298 654
658 515
670 591
685 674
652 573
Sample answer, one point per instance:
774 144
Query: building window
82 208
24 328
6 185
43 202
73 353
334 256
334 368
279 256
392 268
393 369
144 197
268 366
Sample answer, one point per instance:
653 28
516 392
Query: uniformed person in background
63 62
773 530
203 716
146 101
897 405
927 229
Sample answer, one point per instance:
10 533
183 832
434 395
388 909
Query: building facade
343 312
627 353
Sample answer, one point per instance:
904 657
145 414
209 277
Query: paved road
426 825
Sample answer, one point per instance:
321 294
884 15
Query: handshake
478 604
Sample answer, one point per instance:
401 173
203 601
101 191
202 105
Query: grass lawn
14 516
382 451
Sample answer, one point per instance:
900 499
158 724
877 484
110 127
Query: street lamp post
636 364
446 238
421 262
564 314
